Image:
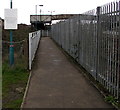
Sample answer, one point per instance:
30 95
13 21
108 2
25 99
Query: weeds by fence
20 42
93 40
20 52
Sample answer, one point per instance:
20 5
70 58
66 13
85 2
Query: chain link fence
93 40
20 52
20 44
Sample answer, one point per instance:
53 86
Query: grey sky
27 7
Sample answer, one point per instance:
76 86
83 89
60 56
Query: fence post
98 35
119 54
30 60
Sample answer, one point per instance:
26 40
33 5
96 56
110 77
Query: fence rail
34 39
93 40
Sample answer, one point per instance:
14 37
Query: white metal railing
34 39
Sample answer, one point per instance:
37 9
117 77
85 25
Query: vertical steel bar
115 43
118 77
105 48
109 69
98 41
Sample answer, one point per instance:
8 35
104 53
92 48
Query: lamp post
37 17
40 11
40 19
36 9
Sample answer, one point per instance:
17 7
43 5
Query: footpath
56 83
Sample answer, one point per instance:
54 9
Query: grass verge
14 80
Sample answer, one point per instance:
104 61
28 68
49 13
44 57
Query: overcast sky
27 7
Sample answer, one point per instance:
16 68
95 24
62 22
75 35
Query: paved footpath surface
56 83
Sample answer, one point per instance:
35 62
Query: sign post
11 23
11 44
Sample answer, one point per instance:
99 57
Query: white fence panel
34 39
